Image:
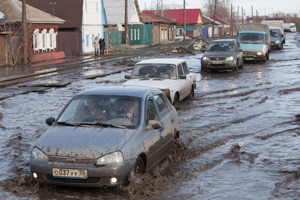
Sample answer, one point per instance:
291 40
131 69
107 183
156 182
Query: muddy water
239 137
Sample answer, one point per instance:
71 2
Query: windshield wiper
66 123
101 124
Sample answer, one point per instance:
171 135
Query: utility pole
231 24
237 17
242 16
126 22
24 26
213 31
184 25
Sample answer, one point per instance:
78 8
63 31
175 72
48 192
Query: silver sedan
104 133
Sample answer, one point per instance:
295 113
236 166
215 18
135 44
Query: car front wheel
139 167
176 100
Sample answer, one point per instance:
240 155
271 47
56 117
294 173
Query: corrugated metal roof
151 17
176 15
222 21
12 10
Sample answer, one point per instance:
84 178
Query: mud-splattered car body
98 153
153 73
222 54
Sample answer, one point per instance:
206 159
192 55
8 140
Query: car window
141 71
180 71
185 68
151 111
116 110
161 104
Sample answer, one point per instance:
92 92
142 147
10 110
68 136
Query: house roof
151 17
12 10
220 20
115 12
207 20
192 16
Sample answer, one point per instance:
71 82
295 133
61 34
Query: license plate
69 173
217 62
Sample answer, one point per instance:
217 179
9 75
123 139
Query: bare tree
15 41
222 11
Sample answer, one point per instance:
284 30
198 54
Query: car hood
219 53
84 142
156 83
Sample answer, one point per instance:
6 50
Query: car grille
217 65
70 180
217 58
249 53
71 160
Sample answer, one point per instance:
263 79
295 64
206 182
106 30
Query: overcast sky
263 7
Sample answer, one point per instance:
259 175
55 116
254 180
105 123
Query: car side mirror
202 50
182 76
153 125
50 121
281 35
127 76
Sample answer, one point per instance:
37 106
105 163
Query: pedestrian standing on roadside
102 46
96 46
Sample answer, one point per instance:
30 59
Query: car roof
173 61
136 91
224 40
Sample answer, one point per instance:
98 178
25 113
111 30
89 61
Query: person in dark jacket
102 46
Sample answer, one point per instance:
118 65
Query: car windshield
102 110
220 46
251 38
158 71
275 33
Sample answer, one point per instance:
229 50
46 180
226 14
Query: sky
263 7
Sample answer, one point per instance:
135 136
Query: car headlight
116 157
166 91
230 58
259 53
277 42
38 154
206 58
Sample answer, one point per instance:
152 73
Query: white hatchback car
171 75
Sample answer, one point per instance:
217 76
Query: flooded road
239 135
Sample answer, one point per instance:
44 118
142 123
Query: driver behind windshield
92 112
127 109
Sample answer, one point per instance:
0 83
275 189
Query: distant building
115 16
162 29
85 19
193 20
42 33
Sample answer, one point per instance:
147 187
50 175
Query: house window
134 34
51 40
93 37
44 41
35 42
97 7
131 36
85 5
87 41
138 34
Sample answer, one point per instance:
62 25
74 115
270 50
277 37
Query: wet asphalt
239 135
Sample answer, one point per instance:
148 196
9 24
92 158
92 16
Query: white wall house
93 21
